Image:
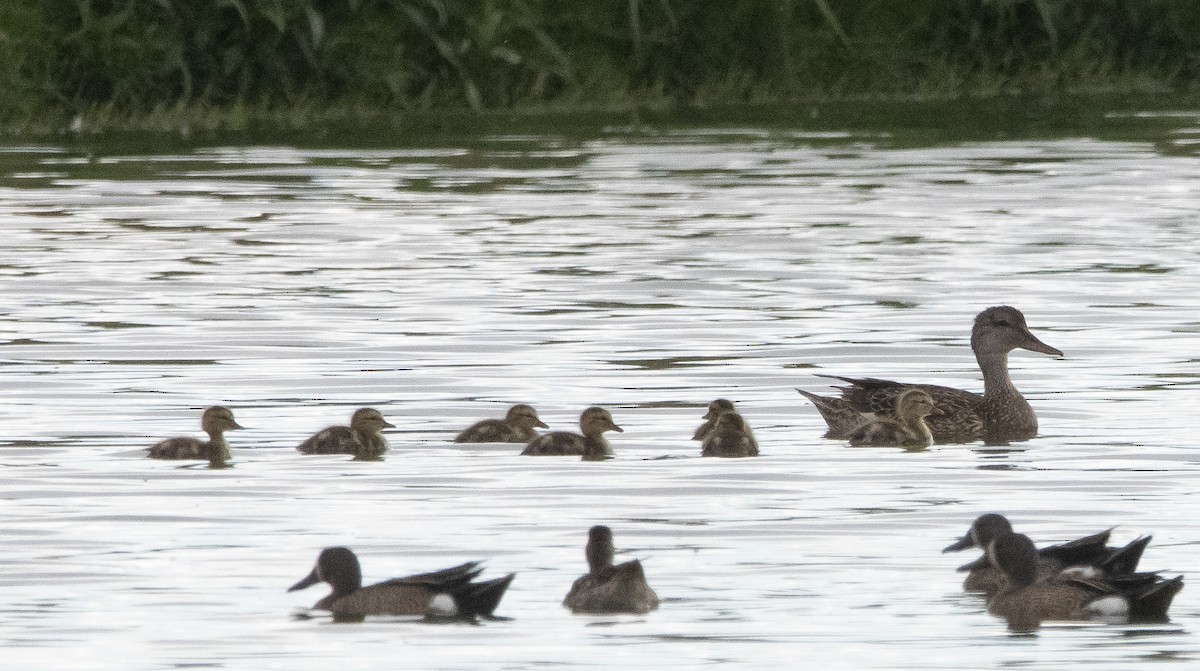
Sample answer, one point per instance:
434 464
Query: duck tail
1152 604
480 599
1125 560
839 416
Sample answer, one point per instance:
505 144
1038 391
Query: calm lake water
648 272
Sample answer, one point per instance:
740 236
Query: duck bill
388 425
960 544
982 562
541 424
236 426
308 581
1034 345
616 428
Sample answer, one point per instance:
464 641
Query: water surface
645 272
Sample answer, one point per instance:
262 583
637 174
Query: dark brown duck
1088 551
1027 601
715 410
516 427
729 437
590 443
215 422
1001 415
908 429
606 588
413 595
361 438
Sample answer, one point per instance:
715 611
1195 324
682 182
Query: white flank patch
1113 608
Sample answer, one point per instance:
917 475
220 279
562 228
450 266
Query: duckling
715 410
215 422
516 427
1026 601
361 438
907 430
413 595
730 437
1001 415
606 588
1089 551
592 423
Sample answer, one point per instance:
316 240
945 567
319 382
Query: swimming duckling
1090 551
361 438
715 410
907 430
592 423
215 421
414 595
1001 415
730 437
1026 601
606 588
516 427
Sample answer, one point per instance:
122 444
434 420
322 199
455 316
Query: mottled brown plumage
215 422
715 410
606 588
908 429
591 444
412 595
361 438
1001 415
1027 601
516 427
1088 551
729 437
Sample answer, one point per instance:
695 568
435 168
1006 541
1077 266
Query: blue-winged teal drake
1090 551
361 438
729 437
1028 601
715 410
908 429
414 595
215 422
1001 415
606 588
516 427
590 442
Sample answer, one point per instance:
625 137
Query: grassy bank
227 63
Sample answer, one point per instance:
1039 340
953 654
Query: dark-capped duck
1089 551
590 443
908 429
516 427
730 437
215 422
414 595
1001 415
1027 601
606 588
361 438
715 410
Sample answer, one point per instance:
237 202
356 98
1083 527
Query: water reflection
645 274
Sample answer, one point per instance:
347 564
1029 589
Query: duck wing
956 414
409 595
1089 550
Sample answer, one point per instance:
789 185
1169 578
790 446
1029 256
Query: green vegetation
225 62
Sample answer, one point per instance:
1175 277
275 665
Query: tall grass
142 56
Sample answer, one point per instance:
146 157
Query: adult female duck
1001 415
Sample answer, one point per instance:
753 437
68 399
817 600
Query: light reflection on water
645 274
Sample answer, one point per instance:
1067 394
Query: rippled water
648 273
